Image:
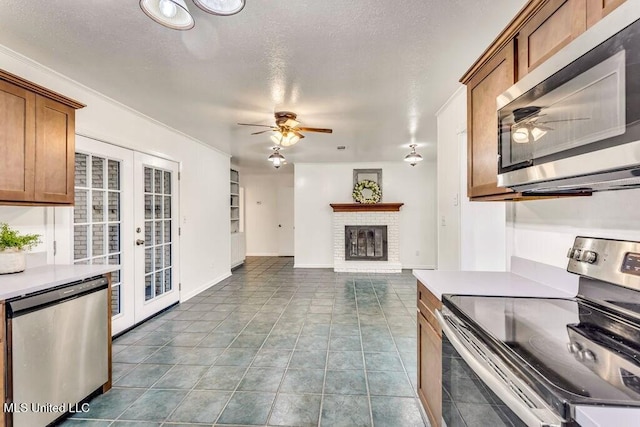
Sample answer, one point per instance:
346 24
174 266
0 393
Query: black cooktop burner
573 350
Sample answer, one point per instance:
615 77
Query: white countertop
598 416
489 283
36 279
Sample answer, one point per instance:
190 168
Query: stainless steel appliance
573 124
542 358
58 350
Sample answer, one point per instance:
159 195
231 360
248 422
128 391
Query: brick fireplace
366 237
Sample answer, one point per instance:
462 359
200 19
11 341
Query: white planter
12 261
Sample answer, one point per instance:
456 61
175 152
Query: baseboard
419 267
187 297
312 265
262 254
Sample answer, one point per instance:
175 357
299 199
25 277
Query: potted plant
12 247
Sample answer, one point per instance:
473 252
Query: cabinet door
598 9
55 151
496 76
430 371
17 143
553 27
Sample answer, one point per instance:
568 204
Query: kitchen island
55 309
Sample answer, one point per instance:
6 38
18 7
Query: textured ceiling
374 73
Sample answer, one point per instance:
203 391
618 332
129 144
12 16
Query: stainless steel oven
573 124
543 358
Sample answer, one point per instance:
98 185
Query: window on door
157 232
96 217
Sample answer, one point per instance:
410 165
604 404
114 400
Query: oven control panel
613 261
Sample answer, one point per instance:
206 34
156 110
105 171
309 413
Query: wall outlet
443 221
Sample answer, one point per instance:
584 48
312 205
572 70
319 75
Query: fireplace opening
365 242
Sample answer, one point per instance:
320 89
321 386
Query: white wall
543 230
204 187
471 235
318 185
261 210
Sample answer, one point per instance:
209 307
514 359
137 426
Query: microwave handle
527 414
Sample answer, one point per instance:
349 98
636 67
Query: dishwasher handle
26 304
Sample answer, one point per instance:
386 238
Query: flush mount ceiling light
220 7
172 14
276 158
412 158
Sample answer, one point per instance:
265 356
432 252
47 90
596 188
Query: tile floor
271 345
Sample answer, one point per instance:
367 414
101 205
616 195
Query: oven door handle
532 417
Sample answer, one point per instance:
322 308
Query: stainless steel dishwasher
58 349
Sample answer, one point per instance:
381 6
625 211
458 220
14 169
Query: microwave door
586 109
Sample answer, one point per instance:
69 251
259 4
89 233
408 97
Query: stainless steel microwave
573 123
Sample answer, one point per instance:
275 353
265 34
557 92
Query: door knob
279 225
139 242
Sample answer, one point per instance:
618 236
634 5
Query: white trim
237 264
263 254
185 297
419 267
450 100
312 265
30 62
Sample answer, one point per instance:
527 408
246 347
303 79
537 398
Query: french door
156 227
125 213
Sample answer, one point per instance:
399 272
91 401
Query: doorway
125 213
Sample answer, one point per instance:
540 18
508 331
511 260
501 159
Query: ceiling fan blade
262 131
251 124
291 123
305 129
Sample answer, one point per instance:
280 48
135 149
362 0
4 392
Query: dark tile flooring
271 345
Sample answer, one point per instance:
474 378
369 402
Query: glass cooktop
573 349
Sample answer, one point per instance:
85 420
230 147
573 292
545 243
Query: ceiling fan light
220 7
276 138
520 135
537 133
289 139
172 14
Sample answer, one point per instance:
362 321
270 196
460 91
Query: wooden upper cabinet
55 151
556 24
17 142
598 9
37 149
495 77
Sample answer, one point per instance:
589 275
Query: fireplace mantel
366 207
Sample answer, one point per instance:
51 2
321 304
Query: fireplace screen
365 242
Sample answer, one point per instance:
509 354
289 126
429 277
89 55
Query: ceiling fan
287 129
529 128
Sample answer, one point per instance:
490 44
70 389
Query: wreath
358 197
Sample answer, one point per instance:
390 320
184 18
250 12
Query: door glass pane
81 170
114 206
97 240
167 183
97 206
148 203
159 256
148 262
158 232
158 283
148 290
148 172
148 225
80 242
167 231
158 181
80 208
96 215
167 207
113 175
158 207
97 172
167 280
